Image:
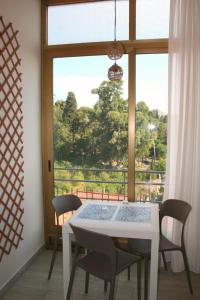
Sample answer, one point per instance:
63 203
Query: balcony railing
149 185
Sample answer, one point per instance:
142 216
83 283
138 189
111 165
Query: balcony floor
33 284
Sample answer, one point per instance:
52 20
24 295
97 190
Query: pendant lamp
115 52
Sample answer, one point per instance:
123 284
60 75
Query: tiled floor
33 284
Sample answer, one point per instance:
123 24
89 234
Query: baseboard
11 282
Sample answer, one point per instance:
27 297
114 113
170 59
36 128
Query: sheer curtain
183 158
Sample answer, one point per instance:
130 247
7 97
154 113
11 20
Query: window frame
132 47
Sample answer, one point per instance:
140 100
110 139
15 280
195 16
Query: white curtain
183 158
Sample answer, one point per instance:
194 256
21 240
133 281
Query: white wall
25 16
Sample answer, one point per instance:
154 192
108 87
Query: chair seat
143 247
166 245
99 265
124 259
140 246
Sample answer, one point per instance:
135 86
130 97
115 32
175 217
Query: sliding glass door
90 128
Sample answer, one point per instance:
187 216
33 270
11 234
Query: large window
104 139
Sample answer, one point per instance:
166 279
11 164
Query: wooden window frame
132 48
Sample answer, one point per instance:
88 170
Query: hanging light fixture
115 51
115 72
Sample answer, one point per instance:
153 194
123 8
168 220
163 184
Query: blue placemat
98 212
134 214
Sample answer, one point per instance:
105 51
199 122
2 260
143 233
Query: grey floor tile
33 284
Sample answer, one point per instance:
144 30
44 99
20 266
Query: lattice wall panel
11 143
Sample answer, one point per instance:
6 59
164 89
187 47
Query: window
129 127
151 126
87 22
152 19
90 128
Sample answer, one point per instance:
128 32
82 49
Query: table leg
66 261
153 288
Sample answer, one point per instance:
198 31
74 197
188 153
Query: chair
178 210
62 204
103 260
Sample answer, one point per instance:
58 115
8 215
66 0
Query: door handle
49 165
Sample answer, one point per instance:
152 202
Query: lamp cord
115 21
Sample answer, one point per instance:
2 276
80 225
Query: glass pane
151 125
152 19
87 22
90 128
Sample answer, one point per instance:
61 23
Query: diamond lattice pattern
11 143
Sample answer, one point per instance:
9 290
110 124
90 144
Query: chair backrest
97 242
65 203
176 209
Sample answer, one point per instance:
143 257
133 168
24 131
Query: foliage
98 138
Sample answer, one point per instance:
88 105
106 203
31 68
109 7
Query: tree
84 143
161 150
58 111
70 108
99 136
59 131
112 116
110 93
142 107
69 119
162 132
143 134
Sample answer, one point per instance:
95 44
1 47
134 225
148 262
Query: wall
25 16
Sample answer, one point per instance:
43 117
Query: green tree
142 107
70 108
58 111
84 142
112 117
143 134
162 132
99 136
60 133
69 121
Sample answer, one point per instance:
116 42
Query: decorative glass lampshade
115 72
115 50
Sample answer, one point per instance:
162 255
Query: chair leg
139 280
53 256
164 259
187 270
129 272
105 285
146 277
69 291
86 282
112 289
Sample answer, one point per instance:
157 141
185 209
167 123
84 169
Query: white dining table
116 219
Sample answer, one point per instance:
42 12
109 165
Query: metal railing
149 185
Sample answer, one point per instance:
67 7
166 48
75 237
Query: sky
82 74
